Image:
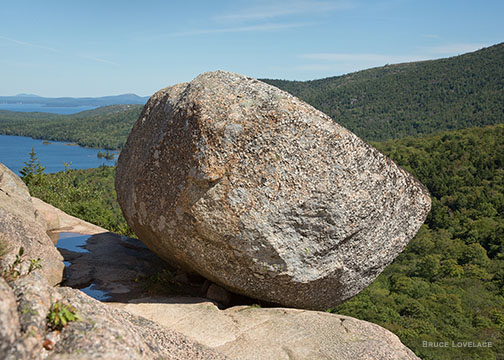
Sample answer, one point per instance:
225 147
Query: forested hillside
448 285
106 127
412 99
87 194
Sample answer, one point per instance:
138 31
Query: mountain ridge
122 99
411 99
389 102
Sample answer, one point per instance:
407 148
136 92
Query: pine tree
33 171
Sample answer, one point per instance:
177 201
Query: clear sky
97 48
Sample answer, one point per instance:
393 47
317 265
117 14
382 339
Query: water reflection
76 243
72 242
95 293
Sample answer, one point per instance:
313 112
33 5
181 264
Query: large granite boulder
21 225
263 194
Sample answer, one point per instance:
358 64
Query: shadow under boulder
115 268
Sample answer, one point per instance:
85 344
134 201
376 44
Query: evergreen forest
412 99
106 127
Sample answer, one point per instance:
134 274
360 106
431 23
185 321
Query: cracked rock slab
250 333
263 194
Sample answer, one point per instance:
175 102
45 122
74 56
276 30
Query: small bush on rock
60 315
13 271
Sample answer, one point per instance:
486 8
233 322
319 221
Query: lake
15 150
46 109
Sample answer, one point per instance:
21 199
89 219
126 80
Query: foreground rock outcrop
262 194
27 295
157 327
21 226
238 332
251 333
102 333
59 221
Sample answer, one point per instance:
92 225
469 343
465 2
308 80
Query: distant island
123 99
107 155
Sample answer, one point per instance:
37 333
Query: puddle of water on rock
75 242
72 241
95 293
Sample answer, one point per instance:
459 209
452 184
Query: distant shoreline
56 142
14 152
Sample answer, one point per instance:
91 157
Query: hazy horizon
55 97
94 49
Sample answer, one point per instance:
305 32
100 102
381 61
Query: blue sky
96 48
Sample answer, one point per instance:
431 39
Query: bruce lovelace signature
458 344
